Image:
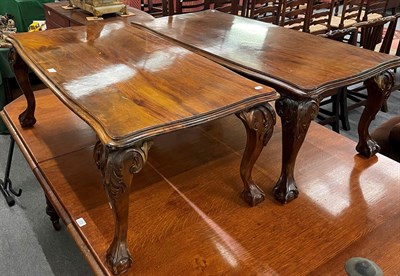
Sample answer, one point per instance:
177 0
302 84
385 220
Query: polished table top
351 209
137 88
130 85
293 61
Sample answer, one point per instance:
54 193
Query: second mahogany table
130 86
302 67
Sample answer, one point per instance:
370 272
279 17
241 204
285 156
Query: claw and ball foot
259 122
117 167
296 117
379 89
285 191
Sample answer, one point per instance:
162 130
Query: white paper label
81 222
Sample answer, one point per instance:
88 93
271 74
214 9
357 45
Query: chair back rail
351 11
320 14
185 6
265 10
371 33
157 8
228 6
295 14
374 6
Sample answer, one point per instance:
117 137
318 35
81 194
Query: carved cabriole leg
379 88
259 122
21 70
117 168
296 117
52 213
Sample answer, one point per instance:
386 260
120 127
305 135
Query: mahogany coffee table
303 68
130 86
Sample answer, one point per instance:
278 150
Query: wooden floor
186 216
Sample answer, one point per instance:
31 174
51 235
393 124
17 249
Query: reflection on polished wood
186 219
272 56
57 17
137 88
132 91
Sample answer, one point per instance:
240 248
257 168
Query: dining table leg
296 116
379 89
259 122
21 72
117 167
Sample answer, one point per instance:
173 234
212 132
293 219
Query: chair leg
335 112
344 114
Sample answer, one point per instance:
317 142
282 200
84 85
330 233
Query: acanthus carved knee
111 163
260 119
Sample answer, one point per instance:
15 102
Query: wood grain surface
186 218
303 68
137 88
294 62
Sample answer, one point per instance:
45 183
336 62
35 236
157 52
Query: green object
5 69
3 128
5 72
24 11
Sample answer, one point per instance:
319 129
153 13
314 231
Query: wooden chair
350 15
157 8
295 15
185 6
373 9
228 6
265 10
320 15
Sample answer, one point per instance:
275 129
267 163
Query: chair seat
313 28
335 22
295 25
318 28
371 16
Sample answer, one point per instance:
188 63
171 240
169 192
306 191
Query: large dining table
130 86
303 68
